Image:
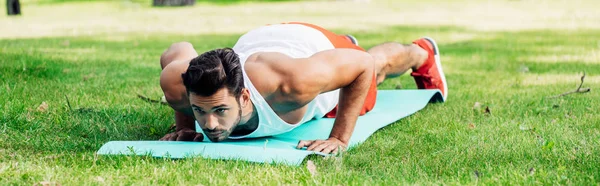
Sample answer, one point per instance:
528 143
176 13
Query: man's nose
211 122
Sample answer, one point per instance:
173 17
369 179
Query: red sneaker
430 75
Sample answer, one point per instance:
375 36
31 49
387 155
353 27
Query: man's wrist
345 142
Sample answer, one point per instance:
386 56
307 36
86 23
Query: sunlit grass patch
553 79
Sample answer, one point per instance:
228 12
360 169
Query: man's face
217 115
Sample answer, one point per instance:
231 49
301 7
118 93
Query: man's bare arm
349 70
172 86
352 72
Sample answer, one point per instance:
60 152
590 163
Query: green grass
525 139
149 2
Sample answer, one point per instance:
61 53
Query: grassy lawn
148 2
526 138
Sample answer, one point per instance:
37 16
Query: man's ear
245 97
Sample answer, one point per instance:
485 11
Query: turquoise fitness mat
391 106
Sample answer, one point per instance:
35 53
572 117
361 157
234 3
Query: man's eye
201 112
220 111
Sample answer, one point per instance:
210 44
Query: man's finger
332 148
185 137
315 145
304 143
322 146
166 137
199 137
173 137
163 138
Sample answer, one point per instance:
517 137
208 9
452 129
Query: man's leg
394 59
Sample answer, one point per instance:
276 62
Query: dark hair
212 71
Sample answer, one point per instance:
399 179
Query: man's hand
183 135
331 145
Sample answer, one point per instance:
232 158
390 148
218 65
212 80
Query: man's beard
227 133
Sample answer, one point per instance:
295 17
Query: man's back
293 40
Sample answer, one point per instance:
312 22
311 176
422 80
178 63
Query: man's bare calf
394 59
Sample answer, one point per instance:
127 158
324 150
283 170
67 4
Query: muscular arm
183 121
352 72
175 94
349 70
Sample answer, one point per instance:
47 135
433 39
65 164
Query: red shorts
341 41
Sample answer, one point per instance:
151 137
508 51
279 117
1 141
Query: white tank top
296 41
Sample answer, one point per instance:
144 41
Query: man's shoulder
279 78
267 58
263 74
273 63
171 84
175 67
170 77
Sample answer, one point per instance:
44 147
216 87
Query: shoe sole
438 63
353 39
